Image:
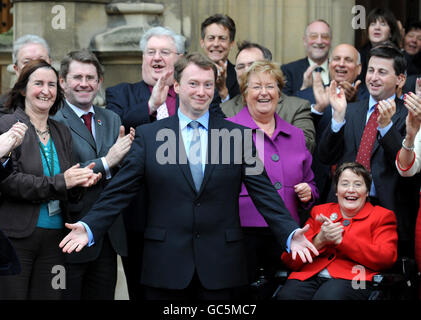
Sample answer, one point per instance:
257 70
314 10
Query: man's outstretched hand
76 240
301 245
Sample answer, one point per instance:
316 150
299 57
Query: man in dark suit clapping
97 137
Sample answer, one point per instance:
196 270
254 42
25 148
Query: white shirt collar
79 112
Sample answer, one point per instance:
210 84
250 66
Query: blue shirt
187 133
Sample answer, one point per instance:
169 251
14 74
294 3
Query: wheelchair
399 283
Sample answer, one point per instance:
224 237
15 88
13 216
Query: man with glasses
294 110
97 137
299 74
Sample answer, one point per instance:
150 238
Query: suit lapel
179 150
77 126
99 123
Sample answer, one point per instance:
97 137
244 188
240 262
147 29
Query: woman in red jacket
355 241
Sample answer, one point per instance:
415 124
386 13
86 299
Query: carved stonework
126 24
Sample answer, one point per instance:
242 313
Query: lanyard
50 170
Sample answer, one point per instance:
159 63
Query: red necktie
368 139
87 118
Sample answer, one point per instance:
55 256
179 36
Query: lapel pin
99 122
333 216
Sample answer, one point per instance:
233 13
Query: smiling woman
347 234
34 209
286 159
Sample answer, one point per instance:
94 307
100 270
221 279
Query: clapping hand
330 232
12 138
221 80
337 101
160 91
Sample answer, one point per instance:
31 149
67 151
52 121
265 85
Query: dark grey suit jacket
85 151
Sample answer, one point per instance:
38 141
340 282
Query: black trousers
94 280
194 292
42 274
263 253
132 264
318 288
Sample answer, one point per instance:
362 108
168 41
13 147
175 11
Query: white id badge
53 207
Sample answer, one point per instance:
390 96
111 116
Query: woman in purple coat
286 160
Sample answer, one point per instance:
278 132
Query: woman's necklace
43 134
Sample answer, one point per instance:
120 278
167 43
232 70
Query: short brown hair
17 99
221 19
196 58
356 168
83 56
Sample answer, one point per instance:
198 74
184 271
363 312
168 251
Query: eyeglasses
79 78
314 36
269 87
163 53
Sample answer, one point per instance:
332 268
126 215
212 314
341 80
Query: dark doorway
404 10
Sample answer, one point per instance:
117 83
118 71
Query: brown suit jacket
293 110
26 187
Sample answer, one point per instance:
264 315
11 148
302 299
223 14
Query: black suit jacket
85 151
130 102
188 230
410 83
293 73
394 192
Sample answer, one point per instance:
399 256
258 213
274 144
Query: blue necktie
195 156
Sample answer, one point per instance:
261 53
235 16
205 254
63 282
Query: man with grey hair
294 110
26 48
29 47
299 74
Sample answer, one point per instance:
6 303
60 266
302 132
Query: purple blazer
287 163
